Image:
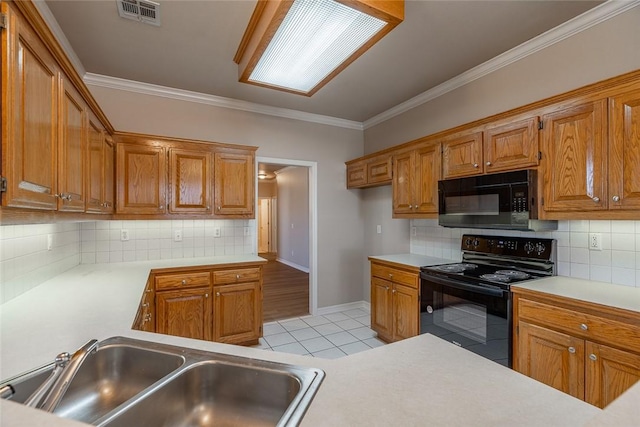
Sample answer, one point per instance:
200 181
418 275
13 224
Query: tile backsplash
152 240
25 261
618 262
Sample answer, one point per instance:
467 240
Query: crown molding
590 18
53 25
217 101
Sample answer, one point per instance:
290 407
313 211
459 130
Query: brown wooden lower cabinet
215 304
395 303
184 313
589 352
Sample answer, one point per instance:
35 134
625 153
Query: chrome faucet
61 377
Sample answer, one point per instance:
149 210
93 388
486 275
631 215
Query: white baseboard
293 264
363 305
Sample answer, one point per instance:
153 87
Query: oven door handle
485 290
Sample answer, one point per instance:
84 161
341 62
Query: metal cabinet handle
217 294
390 276
475 165
572 350
237 277
148 291
584 327
208 208
147 318
184 282
596 199
386 288
393 291
488 163
206 295
218 207
616 198
145 305
593 357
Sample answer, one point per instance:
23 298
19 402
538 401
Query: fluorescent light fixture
298 46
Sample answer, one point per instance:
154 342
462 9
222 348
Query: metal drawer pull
572 350
616 198
596 199
217 294
488 163
584 327
184 282
593 357
237 276
475 165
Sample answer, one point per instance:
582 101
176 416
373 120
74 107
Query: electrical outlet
49 242
595 241
177 235
217 232
124 235
379 229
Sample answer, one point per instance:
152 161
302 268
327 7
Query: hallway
285 292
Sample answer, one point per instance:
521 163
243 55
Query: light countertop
619 296
412 260
419 381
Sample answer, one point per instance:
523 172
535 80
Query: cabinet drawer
236 275
394 275
182 280
596 328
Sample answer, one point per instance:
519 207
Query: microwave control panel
519 203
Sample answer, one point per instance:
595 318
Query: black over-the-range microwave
506 201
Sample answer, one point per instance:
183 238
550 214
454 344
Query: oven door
475 317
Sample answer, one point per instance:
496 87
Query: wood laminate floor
285 291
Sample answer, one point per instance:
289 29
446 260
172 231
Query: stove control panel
524 247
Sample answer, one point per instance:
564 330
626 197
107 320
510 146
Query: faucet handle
62 359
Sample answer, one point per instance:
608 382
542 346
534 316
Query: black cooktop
499 261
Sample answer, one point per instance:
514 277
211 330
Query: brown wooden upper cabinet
100 176
505 145
190 181
415 181
369 172
234 183
30 102
141 179
72 146
624 151
49 130
575 157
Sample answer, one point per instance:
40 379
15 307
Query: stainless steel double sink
130 382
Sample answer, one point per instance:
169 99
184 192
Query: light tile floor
329 336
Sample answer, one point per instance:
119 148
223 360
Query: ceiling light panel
299 45
314 38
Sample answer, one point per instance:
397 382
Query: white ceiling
193 49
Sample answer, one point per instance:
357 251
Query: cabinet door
108 194
428 171
141 179
462 156
379 170
381 307
95 173
624 151
237 313
356 175
511 146
30 123
189 181
71 150
406 311
609 373
184 313
403 187
234 184
551 357
575 158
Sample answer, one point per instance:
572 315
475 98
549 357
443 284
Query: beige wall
267 188
293 215
340 230
602 51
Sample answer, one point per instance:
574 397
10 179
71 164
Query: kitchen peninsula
415 381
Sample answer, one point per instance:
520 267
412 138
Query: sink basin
129 382
220 394
108 378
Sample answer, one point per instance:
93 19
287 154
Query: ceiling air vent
144 11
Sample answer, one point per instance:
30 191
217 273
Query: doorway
287 235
